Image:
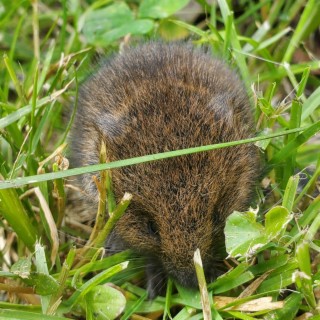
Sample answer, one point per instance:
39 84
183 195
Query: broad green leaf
135 27
22 267
110 23
243 233
97 22
104 303
190 28
160 8
172 31
276 220
43 283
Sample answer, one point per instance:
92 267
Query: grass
47 272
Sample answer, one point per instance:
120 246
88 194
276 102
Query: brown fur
160 97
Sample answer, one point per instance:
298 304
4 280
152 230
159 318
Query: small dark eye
217 218
152 228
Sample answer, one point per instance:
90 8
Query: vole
160 97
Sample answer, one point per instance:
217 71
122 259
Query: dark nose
186 278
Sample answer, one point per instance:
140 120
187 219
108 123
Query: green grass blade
311 184
205 302
303 258
292 146
266 25
14 78
121 163
99 278
40 128
290 193
42 267
303 82
33 108
313 229
14 116
166 312
7 314
291 307
45 67
307 21
231 280
190 27
13 211
234 40
134 307
295 122
272 39
280 73
311 104
308 215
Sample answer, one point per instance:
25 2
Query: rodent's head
180 205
